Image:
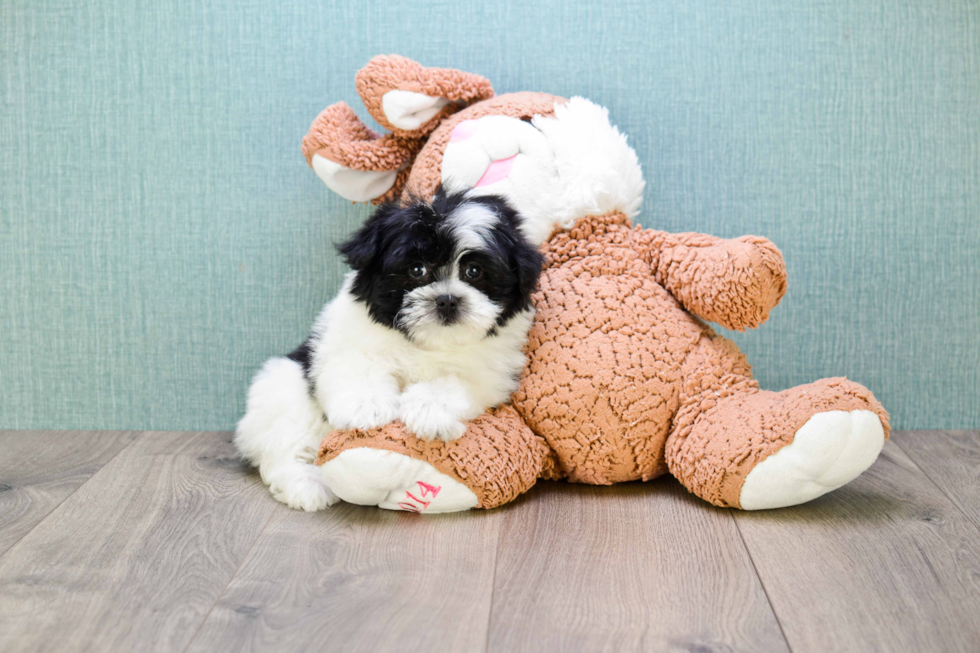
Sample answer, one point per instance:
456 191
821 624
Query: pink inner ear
496 171
463 130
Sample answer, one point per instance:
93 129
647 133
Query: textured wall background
160 233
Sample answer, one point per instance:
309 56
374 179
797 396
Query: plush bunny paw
390 480
830 450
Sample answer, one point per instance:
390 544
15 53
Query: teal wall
161 234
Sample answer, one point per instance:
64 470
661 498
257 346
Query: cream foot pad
389 480
830 450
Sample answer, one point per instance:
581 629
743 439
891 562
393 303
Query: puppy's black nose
448 307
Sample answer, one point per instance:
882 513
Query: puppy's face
443 273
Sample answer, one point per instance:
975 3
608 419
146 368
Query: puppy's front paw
354 411
433 411
300 486
431 422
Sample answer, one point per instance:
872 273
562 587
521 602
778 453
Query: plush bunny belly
609 345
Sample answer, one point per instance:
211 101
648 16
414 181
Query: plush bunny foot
830 450
393 481
497 459
740 447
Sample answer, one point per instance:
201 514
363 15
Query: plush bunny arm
734 283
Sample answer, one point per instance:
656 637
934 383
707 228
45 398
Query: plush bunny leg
496 460
737 446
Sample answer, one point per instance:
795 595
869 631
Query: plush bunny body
624 381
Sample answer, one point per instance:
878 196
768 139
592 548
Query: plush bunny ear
408 111
352 160
410 99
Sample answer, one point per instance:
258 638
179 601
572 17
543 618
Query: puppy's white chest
419 366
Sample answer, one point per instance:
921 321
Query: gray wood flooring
151 541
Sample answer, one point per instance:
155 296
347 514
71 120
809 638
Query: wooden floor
145 541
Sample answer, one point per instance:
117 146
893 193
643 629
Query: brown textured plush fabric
734 283
727 426
339 135
393 72
606 351
609 341
499 459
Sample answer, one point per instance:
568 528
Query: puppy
429 329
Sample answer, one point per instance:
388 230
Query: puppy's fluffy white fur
367 375
430 375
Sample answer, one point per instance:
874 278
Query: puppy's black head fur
398 242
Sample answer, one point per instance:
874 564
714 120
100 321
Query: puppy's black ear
362 248
528 262
525 259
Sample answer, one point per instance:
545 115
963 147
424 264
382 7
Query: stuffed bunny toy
625 380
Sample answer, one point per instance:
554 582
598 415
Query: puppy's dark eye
473 272
417 271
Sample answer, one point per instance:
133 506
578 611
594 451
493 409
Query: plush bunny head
553 160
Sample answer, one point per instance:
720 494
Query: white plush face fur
566 166
562 167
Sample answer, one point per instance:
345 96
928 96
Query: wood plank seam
232 577
633 566
71 494
848 570
493 587
969 518
762 583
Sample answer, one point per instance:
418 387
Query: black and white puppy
429 328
